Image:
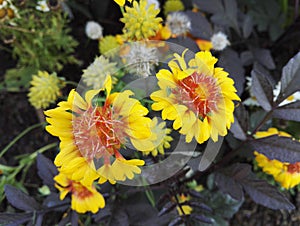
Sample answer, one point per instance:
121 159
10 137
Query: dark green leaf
283 149
20 200
290 78
262 89
201 28
288 112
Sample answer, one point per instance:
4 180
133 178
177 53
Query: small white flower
42 6
96 73
251 101
178 23
141 59
292 98
155 2
93 30
219 41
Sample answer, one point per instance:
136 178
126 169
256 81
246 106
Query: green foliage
40 40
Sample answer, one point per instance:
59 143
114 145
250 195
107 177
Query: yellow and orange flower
197 96
92 135
83 198
286 174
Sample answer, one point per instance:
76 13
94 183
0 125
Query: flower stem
20 136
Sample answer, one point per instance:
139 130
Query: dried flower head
219 41
93 30
178 23
98 71
141 59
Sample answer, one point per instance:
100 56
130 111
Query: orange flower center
294 168
97 134
78 190
199 93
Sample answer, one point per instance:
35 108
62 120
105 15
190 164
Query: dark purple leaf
185 42
196 194
167 208
288 112
262 89
259 190
15 219
201 28
103 214
199 205
39 220
283 149
247 26
120 217
54 200
290 78
240 126
265 194
46 170
176 221
202 218
246 58
227 181
74 218
210 6
20 200
231 63
264 57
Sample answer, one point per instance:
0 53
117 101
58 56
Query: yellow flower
122 2
286 174
173 6
141 21
108 45
186 208
45 89
97 73
163 139
83 198
197 96
92 135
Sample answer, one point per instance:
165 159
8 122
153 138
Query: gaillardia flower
45 89
197 96
93 133
162 140
286 174
140 21
97 73
83 198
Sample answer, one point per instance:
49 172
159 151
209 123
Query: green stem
20 136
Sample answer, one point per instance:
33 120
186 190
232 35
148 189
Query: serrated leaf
231 63
290 78
200 27
288 112
20 200
264 57
267 195
262 89
247 26
15 219
283 149
46 170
